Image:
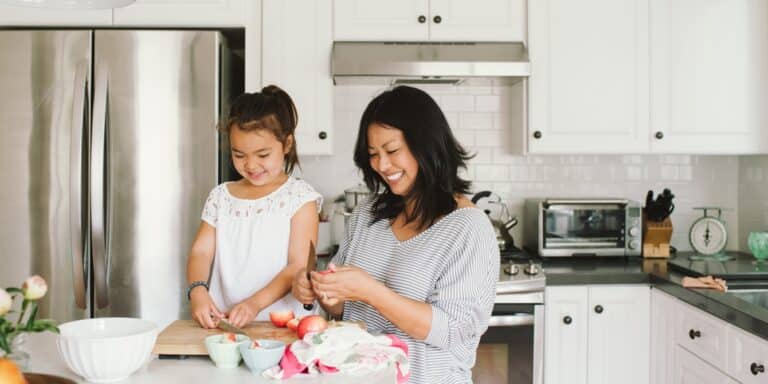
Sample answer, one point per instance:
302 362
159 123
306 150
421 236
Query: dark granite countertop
724 305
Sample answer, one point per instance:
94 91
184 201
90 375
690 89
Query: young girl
255 233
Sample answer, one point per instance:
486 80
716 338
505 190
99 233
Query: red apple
229 338
311 324
280 318
292 324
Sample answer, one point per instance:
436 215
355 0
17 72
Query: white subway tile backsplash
457 103
492 172
477 121
488 103
488 138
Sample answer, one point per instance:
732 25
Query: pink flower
5 302
34 288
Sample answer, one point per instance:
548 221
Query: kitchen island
46 359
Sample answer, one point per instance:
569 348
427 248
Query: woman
419 261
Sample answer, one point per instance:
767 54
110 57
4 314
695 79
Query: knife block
656 238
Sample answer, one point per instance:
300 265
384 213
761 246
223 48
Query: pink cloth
346 349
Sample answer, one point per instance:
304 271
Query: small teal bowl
266 356
758 244
225 355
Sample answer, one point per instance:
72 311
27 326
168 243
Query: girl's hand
204 311
345 283
301 287
242 314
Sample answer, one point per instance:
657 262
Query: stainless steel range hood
428 63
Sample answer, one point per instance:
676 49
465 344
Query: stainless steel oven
583 227
511 351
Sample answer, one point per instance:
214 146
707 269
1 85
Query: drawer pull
694 334
598 309
756 368
567 320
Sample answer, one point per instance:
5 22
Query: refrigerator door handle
79 126
97 193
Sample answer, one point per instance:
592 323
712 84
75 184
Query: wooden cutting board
186 337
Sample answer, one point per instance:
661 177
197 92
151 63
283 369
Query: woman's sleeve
464 293
211 208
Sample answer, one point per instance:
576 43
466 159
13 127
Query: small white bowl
104 350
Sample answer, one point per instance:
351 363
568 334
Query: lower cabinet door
565 335
689 369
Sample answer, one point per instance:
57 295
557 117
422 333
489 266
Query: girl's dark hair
432 144
271 110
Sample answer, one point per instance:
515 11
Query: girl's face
258 155
391 158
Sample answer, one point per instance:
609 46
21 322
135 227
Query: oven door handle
516 320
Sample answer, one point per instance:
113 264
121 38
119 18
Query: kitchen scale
709 236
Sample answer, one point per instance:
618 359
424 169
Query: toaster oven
583 227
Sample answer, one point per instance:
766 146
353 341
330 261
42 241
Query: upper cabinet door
589 76
182 13
29 16
296 56
709 76
376 20
479 20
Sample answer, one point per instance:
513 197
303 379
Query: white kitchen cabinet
29 16
702 334
296 55
662 337
182 13
589 76
690 369
429 20
709 76
597 334
565 335
747 357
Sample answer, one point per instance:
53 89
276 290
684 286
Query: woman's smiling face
391 158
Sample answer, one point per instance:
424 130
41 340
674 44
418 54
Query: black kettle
501 226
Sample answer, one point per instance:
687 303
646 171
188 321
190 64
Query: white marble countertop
45 359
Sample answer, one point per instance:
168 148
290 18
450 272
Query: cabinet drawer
747 357
703 335
690 369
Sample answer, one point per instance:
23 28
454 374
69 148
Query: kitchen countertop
748 316
45 358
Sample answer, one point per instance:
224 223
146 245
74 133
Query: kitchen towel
346 349
707 282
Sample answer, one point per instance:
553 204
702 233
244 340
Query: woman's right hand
204 311
301 288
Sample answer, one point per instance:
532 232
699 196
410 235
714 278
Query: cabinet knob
322 135
567 320
437 19
598 309
694 334
659 135
756 368
422 19
537 135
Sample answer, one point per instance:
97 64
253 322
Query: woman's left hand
344 283
242 314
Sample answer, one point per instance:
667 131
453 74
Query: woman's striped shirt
453 266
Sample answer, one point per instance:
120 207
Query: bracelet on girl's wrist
194 285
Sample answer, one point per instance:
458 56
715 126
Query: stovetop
520 272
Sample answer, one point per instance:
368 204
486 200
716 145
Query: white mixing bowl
104 350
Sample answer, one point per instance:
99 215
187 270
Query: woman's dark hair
270 110
432 144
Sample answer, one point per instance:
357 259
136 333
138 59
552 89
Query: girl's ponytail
285 111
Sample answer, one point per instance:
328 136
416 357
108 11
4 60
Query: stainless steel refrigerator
108 149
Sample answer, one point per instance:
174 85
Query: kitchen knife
311 262
227 326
